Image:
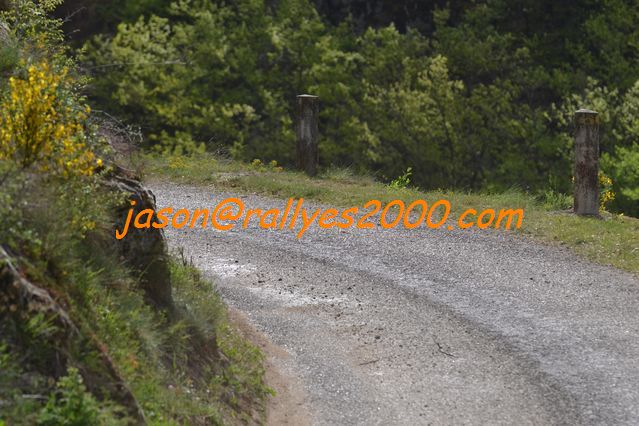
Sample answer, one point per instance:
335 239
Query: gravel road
428 326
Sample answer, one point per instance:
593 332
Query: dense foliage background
470 94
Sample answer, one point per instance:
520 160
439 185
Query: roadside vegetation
612 240
472 95
81 342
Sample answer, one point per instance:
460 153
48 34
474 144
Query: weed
402 181
71 405
606 193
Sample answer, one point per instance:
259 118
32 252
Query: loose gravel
428 326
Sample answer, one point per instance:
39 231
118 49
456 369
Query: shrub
72 405
402 181
623 168
40 128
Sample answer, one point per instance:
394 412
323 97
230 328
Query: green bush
623 168
454 107
71 405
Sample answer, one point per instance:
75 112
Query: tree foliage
474 95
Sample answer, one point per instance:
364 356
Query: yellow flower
38 130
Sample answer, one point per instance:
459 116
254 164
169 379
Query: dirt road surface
426 326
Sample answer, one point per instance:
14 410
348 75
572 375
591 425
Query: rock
143 250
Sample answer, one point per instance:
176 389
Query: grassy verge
611 241
192 368
83 346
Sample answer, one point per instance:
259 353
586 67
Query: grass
186 365
171 365
613 240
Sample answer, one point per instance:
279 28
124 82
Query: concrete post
307 130
586 172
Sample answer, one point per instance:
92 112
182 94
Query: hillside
94 330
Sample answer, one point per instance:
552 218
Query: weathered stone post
307 130
586 187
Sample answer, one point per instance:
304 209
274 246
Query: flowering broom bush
41 129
